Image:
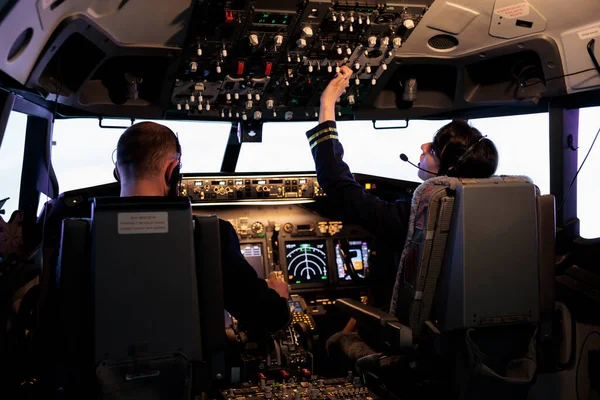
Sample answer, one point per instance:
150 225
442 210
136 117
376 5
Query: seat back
473 248
136 282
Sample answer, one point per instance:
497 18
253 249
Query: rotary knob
257 115
397 42
270 104
372 41
301 43
307 31
409 23
278 40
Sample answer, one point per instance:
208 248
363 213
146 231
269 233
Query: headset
174 182
452 169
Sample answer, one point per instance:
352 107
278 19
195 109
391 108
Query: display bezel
284 265
343 281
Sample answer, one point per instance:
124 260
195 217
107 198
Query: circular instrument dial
258 228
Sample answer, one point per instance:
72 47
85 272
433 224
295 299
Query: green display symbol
323 277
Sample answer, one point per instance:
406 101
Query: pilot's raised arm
388 221
257 304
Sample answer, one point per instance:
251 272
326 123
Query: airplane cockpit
479 287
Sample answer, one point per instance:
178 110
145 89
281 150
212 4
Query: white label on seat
418 295
143 222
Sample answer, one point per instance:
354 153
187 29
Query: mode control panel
208 189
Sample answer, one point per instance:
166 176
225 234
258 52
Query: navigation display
359 251
306 262
252 252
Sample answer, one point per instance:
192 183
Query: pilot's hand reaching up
279 285
332 92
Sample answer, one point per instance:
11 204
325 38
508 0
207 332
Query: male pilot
148 156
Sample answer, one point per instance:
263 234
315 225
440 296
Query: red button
240 70
261 376
268 68
306 372
284 374
228 15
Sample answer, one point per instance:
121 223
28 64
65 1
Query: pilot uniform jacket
387 221
246 296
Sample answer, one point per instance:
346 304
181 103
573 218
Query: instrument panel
270 60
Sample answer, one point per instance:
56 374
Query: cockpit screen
306 262
252 252
359 253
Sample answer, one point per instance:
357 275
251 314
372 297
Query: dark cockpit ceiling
268 60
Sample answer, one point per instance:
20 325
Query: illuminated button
367 186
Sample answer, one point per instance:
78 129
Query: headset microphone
403 157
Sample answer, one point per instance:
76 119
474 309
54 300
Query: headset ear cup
116 175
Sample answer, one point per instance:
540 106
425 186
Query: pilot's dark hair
144 147
453 140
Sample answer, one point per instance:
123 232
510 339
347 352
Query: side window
11 153
588 185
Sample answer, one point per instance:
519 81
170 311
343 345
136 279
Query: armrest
398 336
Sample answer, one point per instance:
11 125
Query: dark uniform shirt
247 297
387 221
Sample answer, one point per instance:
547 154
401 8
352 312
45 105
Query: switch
218 69
229 114
329 68
373 81
270 104
199 51
178 107
409 24
301 43
254 39
207 106
237 114
240 69
310 68
298 59
337 69
351 18
357 81
200 107
351 28
341 28
274 113
360 20
187 107
278 40
342 17
193 66
372 41
334 18
228 96
192 98
397 42
289 58
307 31
257 115
357 66
268 68
384 67
351 99
385 41
244 117
224 52
322 47
339 50
368 69
222 113
368 21
348 51
249 104
249 95
236 96
257 97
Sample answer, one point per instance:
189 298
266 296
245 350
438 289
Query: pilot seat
139 302
473 299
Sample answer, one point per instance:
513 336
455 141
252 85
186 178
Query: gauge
258 228
288 227
306 262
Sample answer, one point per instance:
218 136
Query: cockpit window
83 152
11 153
588 182
523 145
